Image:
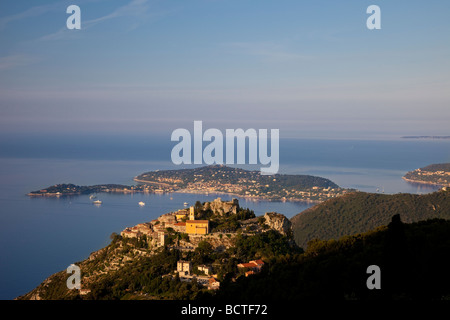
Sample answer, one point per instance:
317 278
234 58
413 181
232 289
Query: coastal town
243 183
217 179
62 190
435 174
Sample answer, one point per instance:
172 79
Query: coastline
152 182
244 197
426 182
259 198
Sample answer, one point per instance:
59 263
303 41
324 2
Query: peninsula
436 174
243 183
214 179
426 137
59 190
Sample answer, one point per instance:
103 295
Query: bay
41 236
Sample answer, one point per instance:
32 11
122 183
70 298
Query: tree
204 248
198 206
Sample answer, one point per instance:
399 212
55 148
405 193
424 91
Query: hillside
413 261
412 258
359 212
143 261
438 174
223 179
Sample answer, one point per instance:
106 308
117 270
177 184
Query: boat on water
141 203
97 202
92 197
186 203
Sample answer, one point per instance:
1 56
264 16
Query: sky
309 68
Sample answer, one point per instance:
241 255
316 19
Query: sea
41 236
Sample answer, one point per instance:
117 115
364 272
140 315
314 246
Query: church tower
191 213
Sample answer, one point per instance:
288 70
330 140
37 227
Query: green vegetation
264 246
219 178
360 212
413 259
144 279
222 222
228 175
152 277
72 189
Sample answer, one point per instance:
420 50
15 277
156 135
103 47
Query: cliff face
278 222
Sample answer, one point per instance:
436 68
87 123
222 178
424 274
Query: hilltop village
216 223
187 252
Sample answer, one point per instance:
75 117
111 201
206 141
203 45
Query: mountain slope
412 258
359 212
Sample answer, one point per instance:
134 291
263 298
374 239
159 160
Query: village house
162 239
168 218
205 269
213 284
130 233
184 267
252 267
180 214
179 227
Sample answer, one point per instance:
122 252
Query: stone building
184 267
197 227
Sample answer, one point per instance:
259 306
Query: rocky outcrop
223 207
218 241
278 222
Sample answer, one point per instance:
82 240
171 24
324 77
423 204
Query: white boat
141 203
97 202
92 197
186 203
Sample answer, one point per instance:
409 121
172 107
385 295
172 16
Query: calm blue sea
39 237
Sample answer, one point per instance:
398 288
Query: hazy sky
309 68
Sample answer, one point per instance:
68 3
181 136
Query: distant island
426 137
243 183
436 174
